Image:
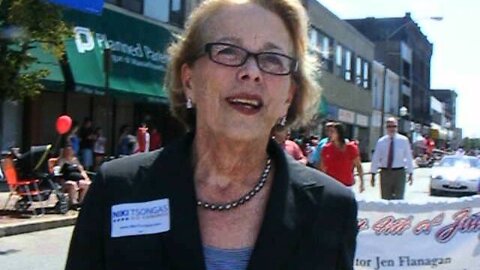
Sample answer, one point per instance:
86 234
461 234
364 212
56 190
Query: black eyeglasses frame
293 68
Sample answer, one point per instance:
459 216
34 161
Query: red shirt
430 145
293 149
155 140
338 163
141 139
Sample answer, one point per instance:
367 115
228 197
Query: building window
313 39
132 5
406 74
326 49
169 11
177 12
339 60
358 72
347 72
406 101
366 75
322 45
362 73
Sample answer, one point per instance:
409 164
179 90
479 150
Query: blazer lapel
182 246
279 235
171 176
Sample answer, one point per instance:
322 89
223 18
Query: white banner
442 235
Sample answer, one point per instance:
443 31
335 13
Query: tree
24 25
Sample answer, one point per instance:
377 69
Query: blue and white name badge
140 218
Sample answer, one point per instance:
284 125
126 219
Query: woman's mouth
245 105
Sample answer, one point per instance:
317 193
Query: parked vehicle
455 175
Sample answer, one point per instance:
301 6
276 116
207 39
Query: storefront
129 90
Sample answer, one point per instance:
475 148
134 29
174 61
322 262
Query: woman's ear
291 93
186 77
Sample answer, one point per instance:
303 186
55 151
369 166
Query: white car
456 175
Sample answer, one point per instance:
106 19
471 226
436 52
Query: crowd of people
333 154
83 150
89 144
338 156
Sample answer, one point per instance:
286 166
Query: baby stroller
28 176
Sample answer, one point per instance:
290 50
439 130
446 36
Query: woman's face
68 152
241 102
333 134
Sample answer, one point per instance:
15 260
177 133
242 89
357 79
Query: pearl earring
283 121
189 103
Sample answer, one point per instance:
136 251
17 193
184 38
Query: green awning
137 54
45 60
323 107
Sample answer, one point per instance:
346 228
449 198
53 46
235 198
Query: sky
456 41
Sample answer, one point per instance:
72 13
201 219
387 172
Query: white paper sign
140 218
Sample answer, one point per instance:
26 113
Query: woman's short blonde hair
186 49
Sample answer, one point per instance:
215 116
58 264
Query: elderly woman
225 196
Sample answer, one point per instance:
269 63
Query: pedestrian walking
282 137
143 138
73 139
225 196
99 147
393 156
127 143
317 153
339 157
155 139
87 141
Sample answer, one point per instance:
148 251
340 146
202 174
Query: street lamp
384 90
403 111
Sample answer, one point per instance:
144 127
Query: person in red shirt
339 157
155 139
143 139
430 145
281 136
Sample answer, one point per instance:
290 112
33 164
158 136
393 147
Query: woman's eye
227 51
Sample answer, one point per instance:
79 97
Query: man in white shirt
393 156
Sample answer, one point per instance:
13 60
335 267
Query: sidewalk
12 223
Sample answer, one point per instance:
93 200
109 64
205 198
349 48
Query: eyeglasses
235 56
391 126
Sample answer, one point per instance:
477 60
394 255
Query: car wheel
434 192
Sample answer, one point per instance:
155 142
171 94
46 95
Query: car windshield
460 162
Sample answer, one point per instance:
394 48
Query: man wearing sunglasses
393 156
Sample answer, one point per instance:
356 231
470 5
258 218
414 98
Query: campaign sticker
140 218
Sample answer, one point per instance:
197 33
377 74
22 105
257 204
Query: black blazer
310 220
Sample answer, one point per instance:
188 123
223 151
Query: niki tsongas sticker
140 218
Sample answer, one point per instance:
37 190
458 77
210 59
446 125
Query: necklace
245 198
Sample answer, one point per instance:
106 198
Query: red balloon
64 123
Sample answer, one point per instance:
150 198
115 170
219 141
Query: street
418 192
48 249
42 250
